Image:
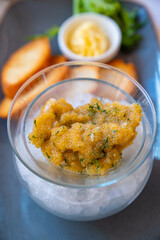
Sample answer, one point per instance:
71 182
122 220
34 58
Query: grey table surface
20 217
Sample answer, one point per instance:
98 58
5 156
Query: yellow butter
88 40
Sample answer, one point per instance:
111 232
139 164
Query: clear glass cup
70 195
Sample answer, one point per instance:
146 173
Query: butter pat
88 39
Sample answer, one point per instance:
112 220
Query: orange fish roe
88 139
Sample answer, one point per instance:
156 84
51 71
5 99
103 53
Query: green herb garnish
33 136
97 164
106 146
41 135
35 123
91 110
50 33
56 132
116 110
90 134
49 157
128 21
115 131
98 107
95 161
107 140
93 107
81 159
104 111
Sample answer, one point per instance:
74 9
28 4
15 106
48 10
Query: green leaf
35 123
49 157
128 21
50 33
56 132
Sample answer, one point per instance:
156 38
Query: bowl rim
108 55
81 63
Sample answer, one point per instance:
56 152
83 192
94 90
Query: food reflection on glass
88 139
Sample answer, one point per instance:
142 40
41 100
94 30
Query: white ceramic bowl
108 25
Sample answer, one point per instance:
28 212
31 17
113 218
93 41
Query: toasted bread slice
4 107
57 59
128 68
32 91
44 81
119 80
85 72
23 63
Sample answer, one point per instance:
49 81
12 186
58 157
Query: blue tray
20 217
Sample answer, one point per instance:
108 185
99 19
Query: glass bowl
76 196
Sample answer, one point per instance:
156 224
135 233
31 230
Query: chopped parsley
33 136
35 123
67 165
95 161
81 159
104 111
116 110
115 131
90 134
106 146
56 132
107 140
91 110
55 115
93 107
49 157
98 107
97 164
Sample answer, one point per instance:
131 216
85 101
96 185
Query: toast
43 81
57 59
128 68
85 72
119 80
24 63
